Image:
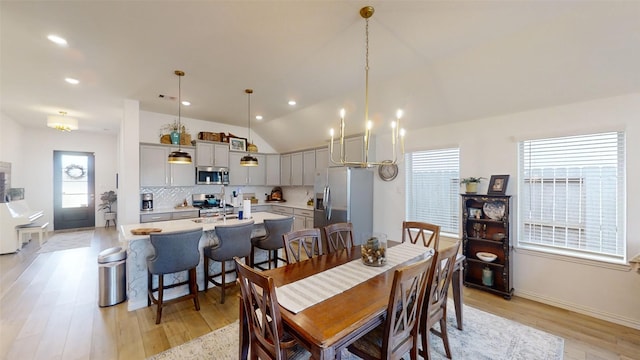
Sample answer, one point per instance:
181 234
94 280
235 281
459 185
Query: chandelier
397 133
62 122
179 157
249 160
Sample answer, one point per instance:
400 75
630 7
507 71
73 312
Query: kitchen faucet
223 203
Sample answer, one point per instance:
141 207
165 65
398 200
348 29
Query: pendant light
179 157
249 160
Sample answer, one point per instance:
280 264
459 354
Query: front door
73 190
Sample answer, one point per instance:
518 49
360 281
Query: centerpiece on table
374 249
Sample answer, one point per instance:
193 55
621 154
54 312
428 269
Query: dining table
324 327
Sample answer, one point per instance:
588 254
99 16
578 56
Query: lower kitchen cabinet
303 219
166 216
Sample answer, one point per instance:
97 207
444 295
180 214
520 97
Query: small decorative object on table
374 250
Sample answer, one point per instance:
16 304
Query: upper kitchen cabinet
155 170
247 175
353 149
212 154
308 167
273 169
297 168
322 158
285 169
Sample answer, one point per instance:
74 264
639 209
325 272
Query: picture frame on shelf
475 213
237 144
498 185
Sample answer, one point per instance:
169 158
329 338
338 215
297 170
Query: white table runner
309 291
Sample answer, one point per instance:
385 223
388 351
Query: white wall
11 148
34 171
151 124
489 146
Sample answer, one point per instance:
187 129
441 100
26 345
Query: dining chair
400 331
415 231
302 244
233 241
435 305
339 236
271 241
173 252
268 340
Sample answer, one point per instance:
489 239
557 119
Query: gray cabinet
178 215
155 170
212 154
296 168
273 169
303 219
282 210
353 149
322 159
309 167
285 169
246 175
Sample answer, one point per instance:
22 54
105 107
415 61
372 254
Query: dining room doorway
73 190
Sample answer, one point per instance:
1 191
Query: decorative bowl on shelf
486 256
494 210
499 236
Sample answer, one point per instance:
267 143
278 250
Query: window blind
571 195
433 184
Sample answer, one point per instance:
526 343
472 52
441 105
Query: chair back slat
415 231
339 236
302 244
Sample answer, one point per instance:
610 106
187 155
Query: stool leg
206 273
252 258
193 287
223 283
149 288
160 296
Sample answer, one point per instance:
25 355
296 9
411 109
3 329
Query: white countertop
187 224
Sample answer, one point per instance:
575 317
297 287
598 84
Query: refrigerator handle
326 202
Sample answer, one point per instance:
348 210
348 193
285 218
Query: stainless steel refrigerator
345 195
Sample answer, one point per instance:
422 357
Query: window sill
568 258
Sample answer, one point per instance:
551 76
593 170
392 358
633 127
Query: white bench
40 229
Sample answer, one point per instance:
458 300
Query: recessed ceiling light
72 81
186 103
292 102
57 39
258 117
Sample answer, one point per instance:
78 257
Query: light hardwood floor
48 310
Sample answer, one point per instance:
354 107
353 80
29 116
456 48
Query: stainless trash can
112 276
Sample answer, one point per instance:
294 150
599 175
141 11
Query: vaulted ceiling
441 61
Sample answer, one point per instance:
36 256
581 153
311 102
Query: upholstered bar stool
271 241
415 231
233 241
174 252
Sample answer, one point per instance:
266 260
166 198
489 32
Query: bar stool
233 241
174 252
272 241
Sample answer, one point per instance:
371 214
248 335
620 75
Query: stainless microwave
212 175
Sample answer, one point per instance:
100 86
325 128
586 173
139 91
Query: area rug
67 240
485 337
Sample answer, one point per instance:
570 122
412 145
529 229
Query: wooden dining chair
339 236
302 244
268 340
415 231
400 331
435 305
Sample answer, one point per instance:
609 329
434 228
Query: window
433 188
571 196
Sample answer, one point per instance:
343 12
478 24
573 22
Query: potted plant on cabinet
108 199
471 184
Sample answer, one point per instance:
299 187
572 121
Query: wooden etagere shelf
485 229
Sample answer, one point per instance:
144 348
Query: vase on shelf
471 187
175 137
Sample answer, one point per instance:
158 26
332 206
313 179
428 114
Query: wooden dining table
329 326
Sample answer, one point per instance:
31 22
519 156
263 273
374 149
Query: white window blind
571 196
433 184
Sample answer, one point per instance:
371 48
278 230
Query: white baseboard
616 319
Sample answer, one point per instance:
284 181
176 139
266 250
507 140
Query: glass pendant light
249 160
179 157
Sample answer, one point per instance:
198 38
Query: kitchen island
139 247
